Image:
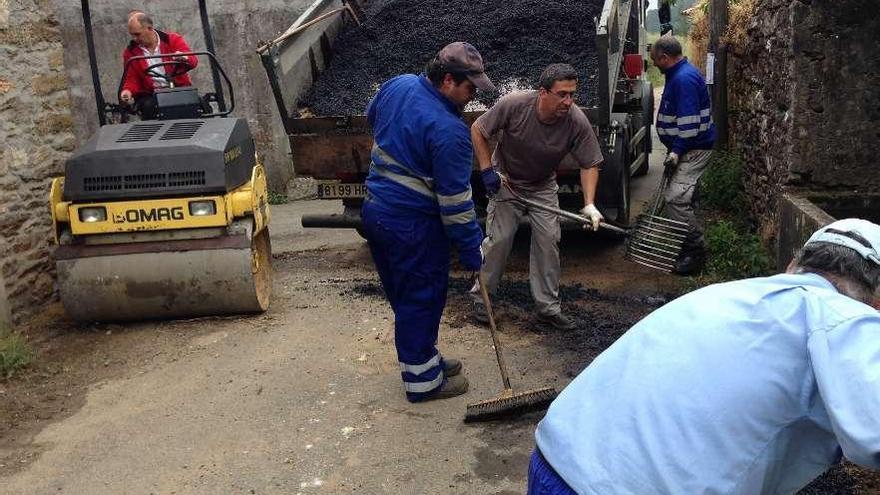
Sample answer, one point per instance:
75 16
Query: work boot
558 321
454 385
451 367
693 255
689 263
480 313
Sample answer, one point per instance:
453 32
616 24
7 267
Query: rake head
510 404
656 242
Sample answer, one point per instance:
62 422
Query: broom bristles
510 405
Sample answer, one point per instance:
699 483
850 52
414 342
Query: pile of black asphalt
517 39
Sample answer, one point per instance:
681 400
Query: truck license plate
331 190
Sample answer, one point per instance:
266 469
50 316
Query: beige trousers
504 216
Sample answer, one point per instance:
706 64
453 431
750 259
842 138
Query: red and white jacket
137 81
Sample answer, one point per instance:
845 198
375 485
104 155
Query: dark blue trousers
543 480
411 252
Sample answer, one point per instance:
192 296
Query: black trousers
665 15
146 106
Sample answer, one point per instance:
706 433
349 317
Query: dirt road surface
307 397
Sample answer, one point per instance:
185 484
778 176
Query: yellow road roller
164 218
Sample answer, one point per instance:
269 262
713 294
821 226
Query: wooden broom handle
493 330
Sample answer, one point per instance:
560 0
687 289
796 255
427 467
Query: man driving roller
139 86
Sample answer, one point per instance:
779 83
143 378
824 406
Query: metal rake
654 241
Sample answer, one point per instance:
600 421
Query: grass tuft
15 353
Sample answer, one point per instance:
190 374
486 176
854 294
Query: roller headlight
202 208
92 214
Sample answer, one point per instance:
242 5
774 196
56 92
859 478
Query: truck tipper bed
335 150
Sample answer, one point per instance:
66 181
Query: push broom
509 403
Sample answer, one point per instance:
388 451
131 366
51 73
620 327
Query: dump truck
335 150
163 218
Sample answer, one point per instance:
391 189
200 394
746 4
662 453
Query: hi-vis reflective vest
684 121
422 157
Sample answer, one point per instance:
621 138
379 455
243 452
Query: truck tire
621 155
646 120
613 191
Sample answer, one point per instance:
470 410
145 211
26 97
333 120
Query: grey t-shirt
529 151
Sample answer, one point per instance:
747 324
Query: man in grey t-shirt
536 130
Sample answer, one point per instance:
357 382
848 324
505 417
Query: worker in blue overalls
419 202
685 127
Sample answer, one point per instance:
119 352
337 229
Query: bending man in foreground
749 387
418 201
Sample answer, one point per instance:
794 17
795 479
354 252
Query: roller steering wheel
176 66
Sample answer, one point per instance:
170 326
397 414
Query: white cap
869 231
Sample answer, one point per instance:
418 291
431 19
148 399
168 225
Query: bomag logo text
140 215
232 154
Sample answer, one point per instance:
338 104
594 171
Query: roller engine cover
151 159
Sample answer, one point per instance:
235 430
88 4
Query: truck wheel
613 190
646 120
621 152
645 148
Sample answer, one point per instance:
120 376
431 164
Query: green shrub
734 252
721 187
15 353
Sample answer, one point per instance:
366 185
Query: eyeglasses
562 95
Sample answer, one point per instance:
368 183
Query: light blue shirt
748 387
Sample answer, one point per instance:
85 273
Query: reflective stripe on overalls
386 166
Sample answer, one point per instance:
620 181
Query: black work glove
670 165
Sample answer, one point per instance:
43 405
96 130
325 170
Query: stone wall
36 132
761 113
837 101
805 99
238 27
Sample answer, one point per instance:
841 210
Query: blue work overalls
418 203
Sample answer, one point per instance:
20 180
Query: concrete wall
36 133
805 100
238 28
798 219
